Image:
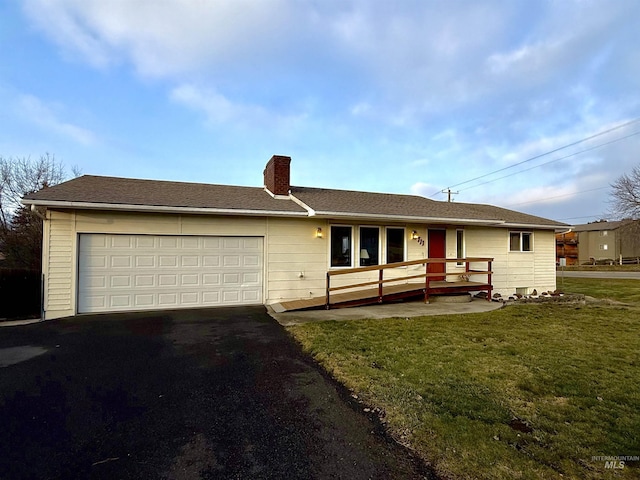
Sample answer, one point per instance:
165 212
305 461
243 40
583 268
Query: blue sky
400 97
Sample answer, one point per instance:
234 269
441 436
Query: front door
437 249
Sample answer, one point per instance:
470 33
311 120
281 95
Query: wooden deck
431 282
389 293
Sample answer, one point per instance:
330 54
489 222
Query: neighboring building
567 248
607 241
117 244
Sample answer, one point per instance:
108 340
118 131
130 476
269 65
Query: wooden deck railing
429 286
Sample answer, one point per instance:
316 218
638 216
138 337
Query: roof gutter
440 220
308 213
535 226
159 208
409 218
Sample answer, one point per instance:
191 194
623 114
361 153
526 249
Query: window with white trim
604 247
395 245
341 246
520 241
369 246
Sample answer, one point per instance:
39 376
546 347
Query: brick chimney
276 175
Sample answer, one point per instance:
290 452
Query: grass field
621 290
528 391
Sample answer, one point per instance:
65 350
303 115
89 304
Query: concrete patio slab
388 310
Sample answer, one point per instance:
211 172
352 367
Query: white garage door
147 272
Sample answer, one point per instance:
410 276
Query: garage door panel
231 243
143 241
120 301
190 298
121 241
144 300
96 301
141 272
250 278
253 243
211 243
121 261
168 261
145 261
211 298
167 299
95 261
251 260
231 260
230 296
231 279
249 296
145 280
211 260
96 281
211 279
190 280
120 281
167 280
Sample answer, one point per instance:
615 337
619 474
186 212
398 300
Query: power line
604 132
557 196
552 161
585 216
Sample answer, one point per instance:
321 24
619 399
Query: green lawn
528 391
621 290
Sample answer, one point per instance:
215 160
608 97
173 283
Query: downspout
37 212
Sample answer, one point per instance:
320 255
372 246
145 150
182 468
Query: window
604 233
604 247
369 246
395 245
460 246
520 241
341 246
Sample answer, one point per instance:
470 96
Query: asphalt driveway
218 393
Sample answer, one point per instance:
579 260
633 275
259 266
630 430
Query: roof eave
159 208
407 218
537 226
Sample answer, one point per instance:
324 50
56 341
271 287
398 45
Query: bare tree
21 229
625 195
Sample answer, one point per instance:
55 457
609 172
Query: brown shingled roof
128 191
112 192
353 203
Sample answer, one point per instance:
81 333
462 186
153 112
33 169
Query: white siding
512 270
59 265
295 261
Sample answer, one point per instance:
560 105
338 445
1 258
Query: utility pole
449 193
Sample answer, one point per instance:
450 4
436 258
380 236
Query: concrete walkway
389 310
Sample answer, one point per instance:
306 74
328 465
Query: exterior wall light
414 235
319 232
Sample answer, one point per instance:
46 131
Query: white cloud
47 117
419 58
541 195
162 38
219 110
